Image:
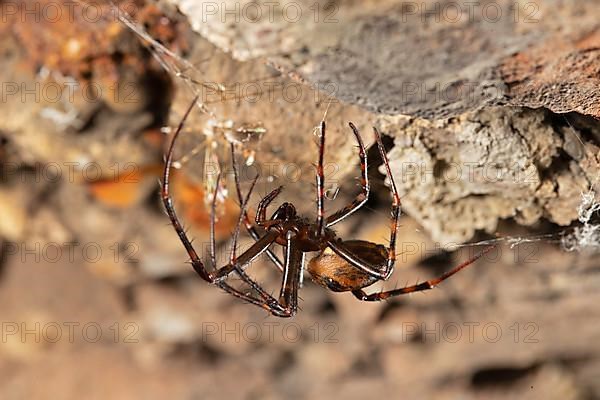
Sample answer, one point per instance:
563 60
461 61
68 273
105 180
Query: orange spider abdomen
333 272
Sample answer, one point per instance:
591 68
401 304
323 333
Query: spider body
327 268
333 272
285 220
340 265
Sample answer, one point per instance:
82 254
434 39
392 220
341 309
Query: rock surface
436 75
428 59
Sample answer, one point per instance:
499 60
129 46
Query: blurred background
489 114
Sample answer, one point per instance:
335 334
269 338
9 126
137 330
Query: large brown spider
341 265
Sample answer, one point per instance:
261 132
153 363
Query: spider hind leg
425 285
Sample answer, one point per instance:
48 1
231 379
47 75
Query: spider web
216 130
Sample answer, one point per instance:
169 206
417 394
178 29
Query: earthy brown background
96 300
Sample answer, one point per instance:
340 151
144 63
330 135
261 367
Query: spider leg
243 212
395 213
213 207
260 246
246 219
287 305
361 198
266 301
168 203
261 212
216 277
238 266
342 250
288 298
272 307
320 177
426 285
294 262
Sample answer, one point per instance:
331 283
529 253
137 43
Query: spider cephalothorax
339 265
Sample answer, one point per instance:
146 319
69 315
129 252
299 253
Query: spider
340 265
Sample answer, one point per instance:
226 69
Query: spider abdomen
333 272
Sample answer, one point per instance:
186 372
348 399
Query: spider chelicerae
340 265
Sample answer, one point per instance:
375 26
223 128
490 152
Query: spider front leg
247 222
426 285
261 212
